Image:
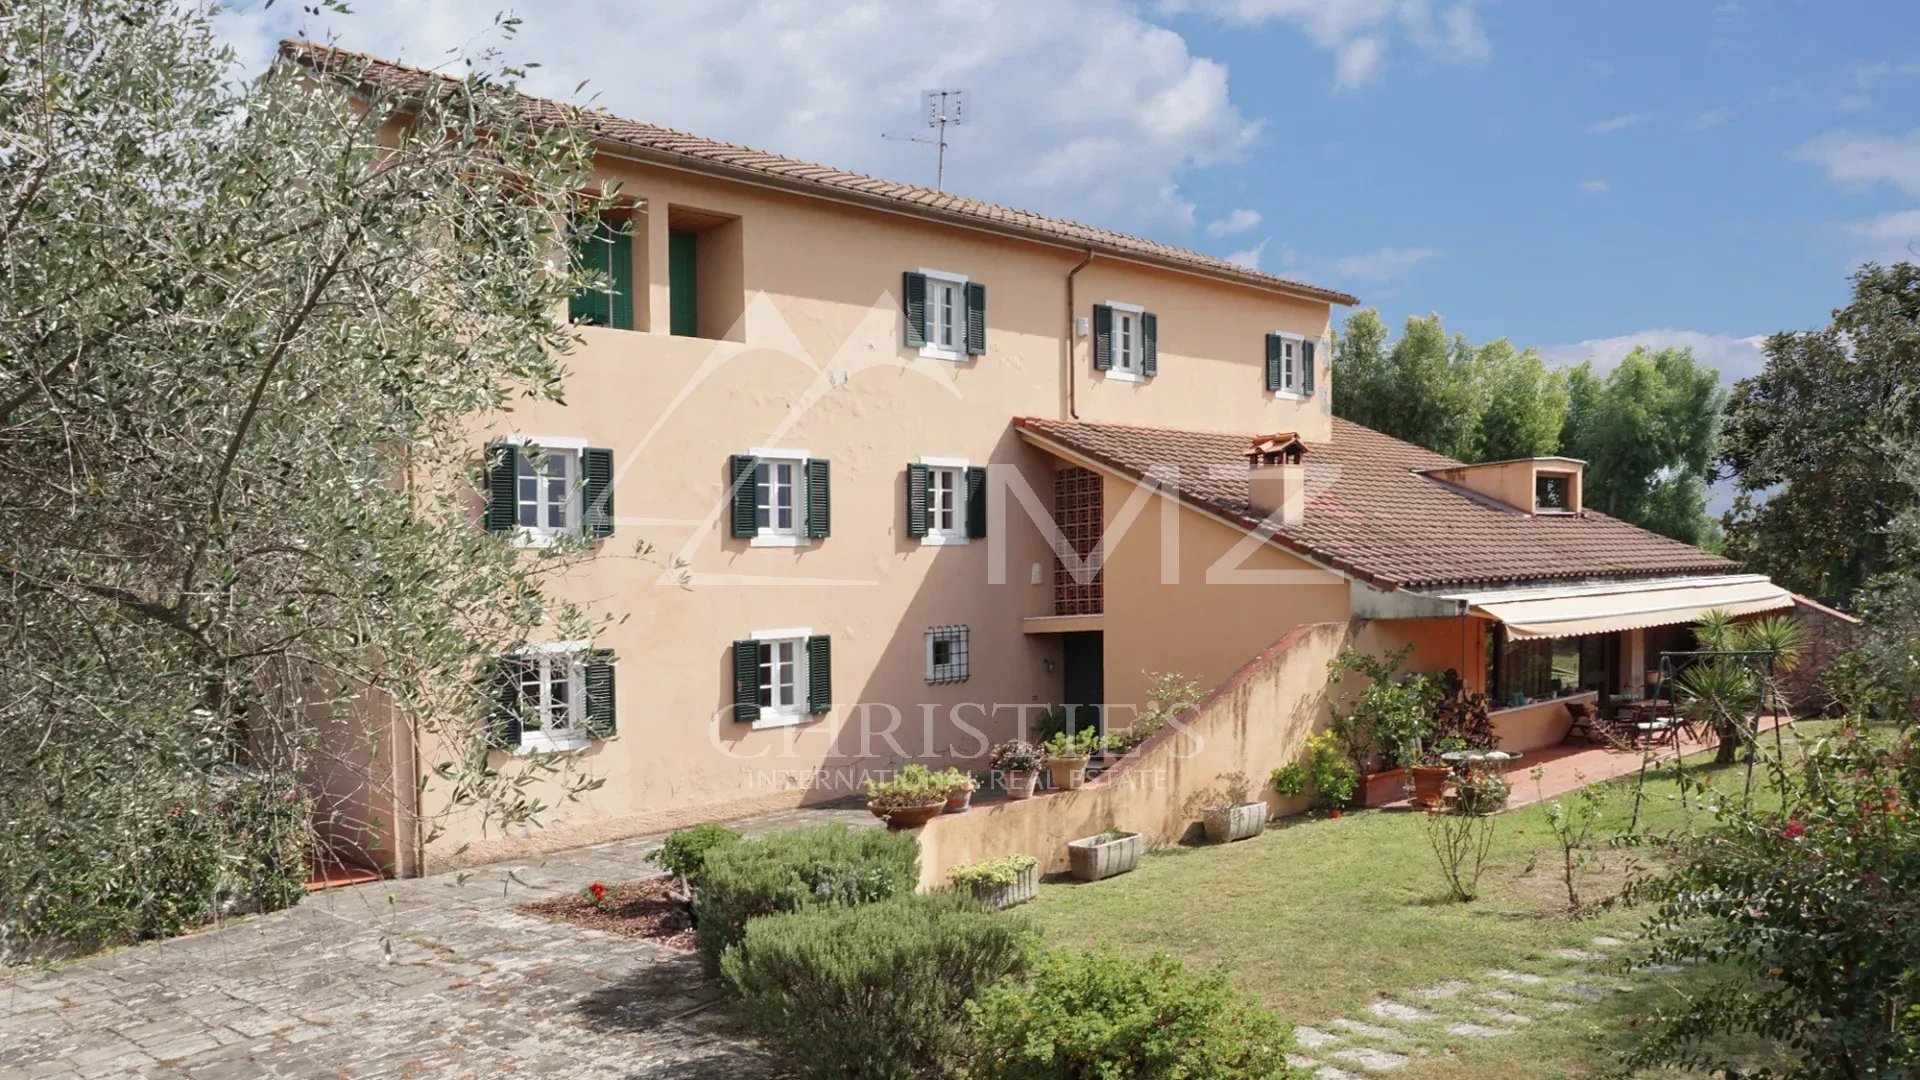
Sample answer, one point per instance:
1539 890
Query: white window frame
574 452
1129 365
957 469
1290 381
771 535
957 352
574 736
775 716
962 667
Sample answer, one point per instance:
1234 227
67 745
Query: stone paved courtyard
431 977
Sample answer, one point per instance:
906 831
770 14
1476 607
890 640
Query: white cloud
1082 108
1860 161
1728 10
1359 33
1385 264
1902 225
1616 123
1710 118
1235 223
1250 257
1737 357
1600 68
1594 187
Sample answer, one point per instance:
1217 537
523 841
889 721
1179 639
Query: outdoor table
1463 760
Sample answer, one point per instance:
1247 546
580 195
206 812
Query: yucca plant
1726 691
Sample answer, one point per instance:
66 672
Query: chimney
1276 480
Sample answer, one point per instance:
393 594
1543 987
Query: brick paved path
432 977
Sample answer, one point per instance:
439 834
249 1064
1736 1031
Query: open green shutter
740 492
683 303
600 696
1102 337
819 674
976 318
596 464
590 252
620 270
746 681
1306 367
1275 343
505 722
1149 344
976 501
917 475
819 499
503 465
913 301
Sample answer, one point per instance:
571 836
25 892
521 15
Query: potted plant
1239 818
959 789
1000 883
1104 855
1067 755
909 800
1386 724
1289 780
1431 772
1018 764
1483 792
1335 780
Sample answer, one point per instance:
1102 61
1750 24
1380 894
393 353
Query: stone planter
1020 784
912 816
958 800
1226 824
1430 784
1020 890
1067 773
1104 856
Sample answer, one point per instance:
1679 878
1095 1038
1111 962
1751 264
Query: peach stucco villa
936 465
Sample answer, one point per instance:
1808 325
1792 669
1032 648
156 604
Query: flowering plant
597 894
1016 756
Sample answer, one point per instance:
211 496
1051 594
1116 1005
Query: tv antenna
942 108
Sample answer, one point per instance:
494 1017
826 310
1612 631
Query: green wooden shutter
596 464
590 252
1149 344
506 702
913 301
1102 337
503 466
600 695
819 499
917 476
746 681
976 501
683 304
1275 343
620 270
1306 367
819 674
740 491
976 318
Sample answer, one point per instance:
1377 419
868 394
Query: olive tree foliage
246 332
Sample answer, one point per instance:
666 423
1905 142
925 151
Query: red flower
599 892
1794 830
1336 813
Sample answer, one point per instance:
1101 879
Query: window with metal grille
946 654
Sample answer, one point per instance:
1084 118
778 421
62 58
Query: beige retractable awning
1541 613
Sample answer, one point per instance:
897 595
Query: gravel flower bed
639 909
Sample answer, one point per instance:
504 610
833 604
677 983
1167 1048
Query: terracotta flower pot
959 799
911 816
1067 773
1430 784
1020 784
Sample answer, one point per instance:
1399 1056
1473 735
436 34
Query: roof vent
1276 479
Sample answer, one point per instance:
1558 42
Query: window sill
952 356
1116 375
767 720
1546 512
944 540
573 742
780 540
539 538
1288 395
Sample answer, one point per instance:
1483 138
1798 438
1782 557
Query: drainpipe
1073 405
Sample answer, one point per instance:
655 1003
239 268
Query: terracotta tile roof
1369 514
651 142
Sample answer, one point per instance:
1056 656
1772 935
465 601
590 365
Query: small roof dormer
1540 486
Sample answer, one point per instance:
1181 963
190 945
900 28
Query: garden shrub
1097 1016
875 991
684 854
798 868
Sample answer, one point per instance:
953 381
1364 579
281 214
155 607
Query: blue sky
1575 176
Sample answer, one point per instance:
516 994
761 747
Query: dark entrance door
1084 685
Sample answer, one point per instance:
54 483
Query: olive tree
247 333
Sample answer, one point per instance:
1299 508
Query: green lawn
1321 917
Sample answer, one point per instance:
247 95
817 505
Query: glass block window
946 654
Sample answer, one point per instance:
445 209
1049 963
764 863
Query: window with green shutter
819 499
913 307
781 677
596 466
976 319
779 500
502 467
740 493
600 694
819 674
606 247
505 721
1123 345
1274 344
1102 337
976 502
1307 364
1149 344
746 681
552 698
683 274
917 478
